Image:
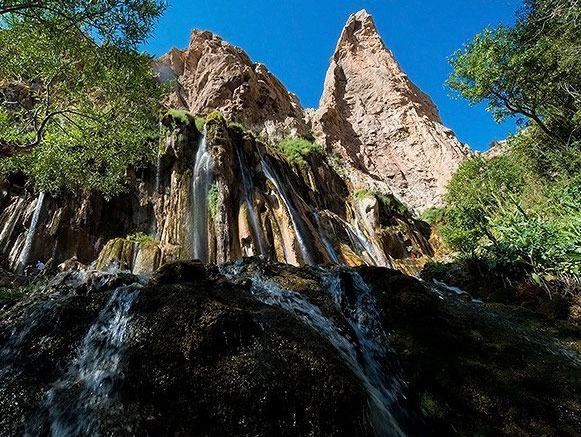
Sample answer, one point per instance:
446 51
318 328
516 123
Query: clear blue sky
296 38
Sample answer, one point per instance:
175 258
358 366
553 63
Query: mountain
383 125
246 283
222 188
387 131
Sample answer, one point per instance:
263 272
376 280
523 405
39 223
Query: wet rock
180 271
259 348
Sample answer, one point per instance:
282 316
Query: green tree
78 104
523 208
531 70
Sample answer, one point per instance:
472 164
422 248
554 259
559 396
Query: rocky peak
383 125
212 74
386 130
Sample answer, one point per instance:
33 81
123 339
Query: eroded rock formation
249 199
383 125
386 129
211 74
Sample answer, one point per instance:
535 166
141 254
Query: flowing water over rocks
298 225
362 355
259 348
31 234
202 179
249 200
82 400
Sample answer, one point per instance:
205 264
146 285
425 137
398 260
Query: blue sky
296 38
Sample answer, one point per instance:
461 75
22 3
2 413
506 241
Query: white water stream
78 402
202 179
30 235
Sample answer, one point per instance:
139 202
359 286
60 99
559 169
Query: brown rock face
382 124
211 74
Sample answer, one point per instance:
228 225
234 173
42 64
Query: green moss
215 116
181 116
200 123
213 200
141 238
215 122
296 150
431 408
237 125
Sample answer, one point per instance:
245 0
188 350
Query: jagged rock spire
384 126
387 130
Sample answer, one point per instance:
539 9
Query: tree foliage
531 71
522 209
122 23
78 104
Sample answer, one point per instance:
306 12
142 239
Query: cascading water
360 312
249 200
87 393
25 254
324 239
361 315
358 238
298 225
158 163
202 178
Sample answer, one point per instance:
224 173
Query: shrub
181 116
213 200
296 150
433 215
142 238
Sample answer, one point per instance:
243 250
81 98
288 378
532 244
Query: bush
296 150
213 200
181 116
515 219
433 215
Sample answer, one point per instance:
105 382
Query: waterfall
381 397
358 237
158 172
298 226
324 239
363 356
25 254
202 178
360 312
158 163
249 200
77 403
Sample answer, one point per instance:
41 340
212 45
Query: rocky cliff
383 125
224 188
387 131
211 74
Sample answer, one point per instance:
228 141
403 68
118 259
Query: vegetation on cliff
296 150
78 103
520 212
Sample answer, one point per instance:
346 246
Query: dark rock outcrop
206 351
